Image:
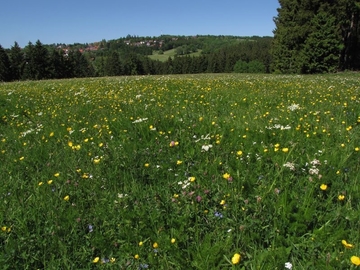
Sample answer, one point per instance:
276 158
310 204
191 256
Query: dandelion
57 174
141 243
67 198
173 240
346 244
192 178
285 149
136 256
355 260
3 228
146 165
341 197
357 149
179 162
49 182
22 158
96 260
41 183
96 160
239 153
155 245
222 202
236 258
323 187
51 134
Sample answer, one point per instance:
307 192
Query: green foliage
251 67
180 172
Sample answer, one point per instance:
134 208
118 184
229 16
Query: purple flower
218 214
198 198
90 228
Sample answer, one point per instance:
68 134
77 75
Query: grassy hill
169 53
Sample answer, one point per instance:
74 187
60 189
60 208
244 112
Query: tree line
115 58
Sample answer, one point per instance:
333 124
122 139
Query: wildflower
146 165
236 258
357 149
323 187
155 245
3 228
57 174
206 147
66 198
198 198
222 202
41 183
218 214
341 197
136 256
96 260
22 158
285 149
179 162
70 144
173 240
346 244
355 260
143 266
192 178
226 176
112 260
90 228
239 153
141 243
49 182
51 134
288 265
173 143
96 160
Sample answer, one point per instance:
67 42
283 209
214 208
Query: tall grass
180 172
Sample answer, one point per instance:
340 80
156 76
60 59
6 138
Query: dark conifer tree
5 68
17 61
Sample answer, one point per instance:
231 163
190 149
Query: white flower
206 147
288 265
294 107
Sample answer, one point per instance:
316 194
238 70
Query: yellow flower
136 256
40 183
173 240
285 150
226 176
66 198
3 228
70 144
239 153
96 260
179 162
146 165
96 161
192 178
141 243
112 260
236 258
22 158
341 197
346 244
323 187
155 245
101 144
57 174
357 149
77 147
51 134
355 260
222 202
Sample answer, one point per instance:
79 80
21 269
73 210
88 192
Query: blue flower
218 214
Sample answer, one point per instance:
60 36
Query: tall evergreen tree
17 61
113 65
5 69
321 31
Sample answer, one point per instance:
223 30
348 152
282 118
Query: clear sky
71 21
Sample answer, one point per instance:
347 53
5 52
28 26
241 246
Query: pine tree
5 69
17 61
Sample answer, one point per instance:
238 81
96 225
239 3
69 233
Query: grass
169 53
180 172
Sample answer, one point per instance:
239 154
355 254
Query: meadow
181 172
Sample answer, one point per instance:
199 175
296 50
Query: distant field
170 53
210 171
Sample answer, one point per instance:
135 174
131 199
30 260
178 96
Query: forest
310 37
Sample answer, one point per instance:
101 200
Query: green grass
113 169
169 53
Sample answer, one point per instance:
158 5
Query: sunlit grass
181 172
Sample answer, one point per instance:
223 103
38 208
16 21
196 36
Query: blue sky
88 21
